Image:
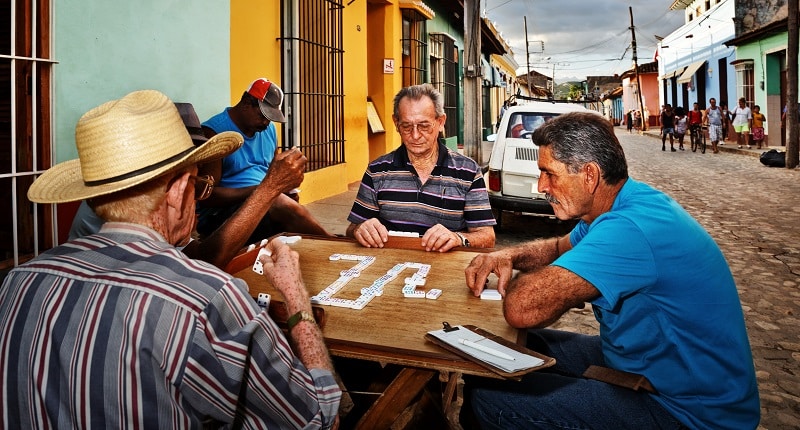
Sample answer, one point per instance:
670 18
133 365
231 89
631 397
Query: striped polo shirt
454 195
122 330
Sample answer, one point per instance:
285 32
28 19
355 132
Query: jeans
559 397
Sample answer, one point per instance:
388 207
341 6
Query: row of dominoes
285 239
324 297
403 233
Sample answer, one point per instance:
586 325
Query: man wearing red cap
241 173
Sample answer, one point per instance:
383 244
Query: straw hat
126 142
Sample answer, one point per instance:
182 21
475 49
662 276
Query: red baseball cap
270 98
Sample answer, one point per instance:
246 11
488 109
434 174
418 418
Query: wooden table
391 328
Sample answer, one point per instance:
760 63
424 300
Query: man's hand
282 270
439 238
286 170
477 273
371 233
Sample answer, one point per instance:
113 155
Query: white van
513 173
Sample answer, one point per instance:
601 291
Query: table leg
397 396
450 389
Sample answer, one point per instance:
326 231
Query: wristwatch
464 240
300 316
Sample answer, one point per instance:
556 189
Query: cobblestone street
752 212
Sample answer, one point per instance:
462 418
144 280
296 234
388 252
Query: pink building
648 76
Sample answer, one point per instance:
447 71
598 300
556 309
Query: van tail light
494 180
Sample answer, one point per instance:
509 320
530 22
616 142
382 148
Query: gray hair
416 92
578 138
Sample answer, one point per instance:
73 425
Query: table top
391 328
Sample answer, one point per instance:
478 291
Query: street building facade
693 61
761 44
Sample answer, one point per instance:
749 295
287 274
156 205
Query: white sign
388 65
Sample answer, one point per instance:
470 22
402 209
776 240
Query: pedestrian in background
758 127
629 121
695 120
742 123
681 125
713 118
667 128
726 121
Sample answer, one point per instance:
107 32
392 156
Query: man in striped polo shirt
120 329
422 186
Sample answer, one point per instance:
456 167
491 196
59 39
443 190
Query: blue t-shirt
668 309
248 165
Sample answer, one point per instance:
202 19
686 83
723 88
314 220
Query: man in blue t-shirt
240 174
660 288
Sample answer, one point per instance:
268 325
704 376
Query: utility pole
527 56
636 71
473 118
791 88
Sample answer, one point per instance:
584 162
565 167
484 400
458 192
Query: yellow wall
384 34
370 32
255 50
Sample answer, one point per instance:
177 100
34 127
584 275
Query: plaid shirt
122 330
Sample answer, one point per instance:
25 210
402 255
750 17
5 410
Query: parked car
513 170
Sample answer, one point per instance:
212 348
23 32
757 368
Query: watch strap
298 317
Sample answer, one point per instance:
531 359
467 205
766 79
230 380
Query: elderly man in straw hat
122 330
218 248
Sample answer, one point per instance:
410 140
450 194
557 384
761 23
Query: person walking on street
681 125
726 121
758 127
742 123
629 121
713 118
695 120
667 128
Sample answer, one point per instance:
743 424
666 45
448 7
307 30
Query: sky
581 37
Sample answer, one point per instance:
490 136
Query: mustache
552 200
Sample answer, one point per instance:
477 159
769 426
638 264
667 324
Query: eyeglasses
422 127
202 193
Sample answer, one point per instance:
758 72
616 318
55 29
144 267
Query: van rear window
524 123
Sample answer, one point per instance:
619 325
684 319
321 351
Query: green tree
575 92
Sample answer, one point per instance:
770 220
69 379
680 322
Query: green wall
106 49
765 69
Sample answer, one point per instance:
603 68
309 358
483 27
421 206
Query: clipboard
475 331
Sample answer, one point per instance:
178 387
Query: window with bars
313 80
745 82
444 76
25 130
414 47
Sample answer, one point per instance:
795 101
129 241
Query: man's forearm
305 336
480 237
225 242
535 254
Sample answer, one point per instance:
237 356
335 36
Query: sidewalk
332 212
727 146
